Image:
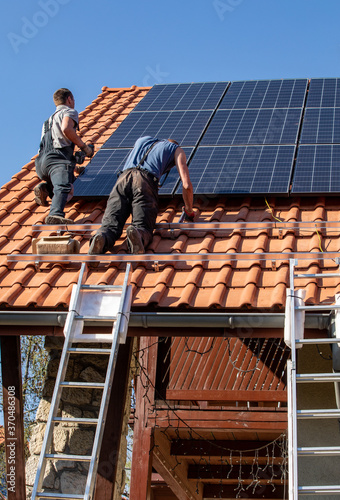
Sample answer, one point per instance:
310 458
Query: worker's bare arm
182 167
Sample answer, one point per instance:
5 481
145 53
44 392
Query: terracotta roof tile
200 284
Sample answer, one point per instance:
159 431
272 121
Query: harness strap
146 155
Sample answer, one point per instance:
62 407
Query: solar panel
103 171
265 94
321 126
185 127
317 169
323 93
242 169
253 126
182 97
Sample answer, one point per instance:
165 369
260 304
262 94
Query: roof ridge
125 89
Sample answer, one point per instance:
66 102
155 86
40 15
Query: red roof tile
201 285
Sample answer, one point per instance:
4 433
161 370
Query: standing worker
56 163
136 193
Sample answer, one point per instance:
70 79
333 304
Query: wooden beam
265 333
193 448
108 459
13 417
142 434
174 472
250 420
228 395
27 330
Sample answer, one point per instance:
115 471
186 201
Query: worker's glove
88 150
186 216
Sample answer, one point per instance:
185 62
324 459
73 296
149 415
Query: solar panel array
317 167
263 136
250 143
177 111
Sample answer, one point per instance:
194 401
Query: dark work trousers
136 193
59 175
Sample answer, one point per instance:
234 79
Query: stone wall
76 439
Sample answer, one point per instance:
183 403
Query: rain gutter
176 319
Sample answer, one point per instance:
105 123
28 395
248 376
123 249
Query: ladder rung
101 287
82 385
327 413
319 307
309 451
95 318
76 458
88 350
319 490
318 377
330 340
57 496
318 275
88 421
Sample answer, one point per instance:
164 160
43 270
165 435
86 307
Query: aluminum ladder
95 304
294 327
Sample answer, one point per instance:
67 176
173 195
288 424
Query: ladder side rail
293 470
57 388
91 477
290 431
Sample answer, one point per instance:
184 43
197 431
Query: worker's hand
88 150
186 216
79 170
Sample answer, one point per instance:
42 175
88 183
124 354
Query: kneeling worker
136 193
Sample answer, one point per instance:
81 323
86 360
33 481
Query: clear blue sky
84 45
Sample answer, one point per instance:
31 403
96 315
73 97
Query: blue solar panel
185 127
265 94
321 126
317 169
324 93
182 97
101 173
103 170
242 169
253 126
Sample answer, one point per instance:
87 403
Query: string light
235 456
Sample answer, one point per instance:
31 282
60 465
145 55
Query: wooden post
108 459
13 417
142 434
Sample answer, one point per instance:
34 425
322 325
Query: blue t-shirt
160 159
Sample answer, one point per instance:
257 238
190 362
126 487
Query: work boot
57 219
134 239
41 194
97 244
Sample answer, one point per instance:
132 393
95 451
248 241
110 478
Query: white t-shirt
59 139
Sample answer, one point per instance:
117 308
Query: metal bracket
155 266
274 265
